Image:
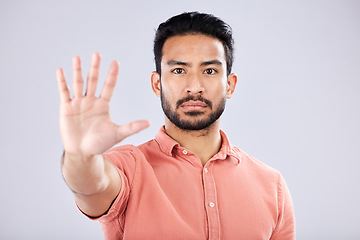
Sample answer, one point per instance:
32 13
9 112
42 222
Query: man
189 182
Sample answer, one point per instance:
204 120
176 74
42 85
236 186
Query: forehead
193 48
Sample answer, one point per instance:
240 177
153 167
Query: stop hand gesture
87 131
85 124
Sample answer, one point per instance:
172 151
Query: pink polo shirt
167 194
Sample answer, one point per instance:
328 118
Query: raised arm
87 132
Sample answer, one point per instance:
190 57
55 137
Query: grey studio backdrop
296 106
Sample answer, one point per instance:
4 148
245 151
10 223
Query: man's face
194 84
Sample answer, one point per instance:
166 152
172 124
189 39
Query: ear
155 83
231 84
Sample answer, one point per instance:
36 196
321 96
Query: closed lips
194 104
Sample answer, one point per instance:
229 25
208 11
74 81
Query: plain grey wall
296 106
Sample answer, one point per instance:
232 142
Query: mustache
193 98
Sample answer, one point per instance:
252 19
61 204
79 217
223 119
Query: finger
131 128
62 86
110 81
93 75
78 82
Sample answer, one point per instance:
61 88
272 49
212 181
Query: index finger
110 81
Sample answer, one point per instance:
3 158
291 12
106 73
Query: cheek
172 89
217 90
167 94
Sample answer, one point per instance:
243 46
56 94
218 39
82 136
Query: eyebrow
177 62
212 62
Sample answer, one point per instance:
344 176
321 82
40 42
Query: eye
178 71
210 71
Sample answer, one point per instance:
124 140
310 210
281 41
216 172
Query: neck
204 143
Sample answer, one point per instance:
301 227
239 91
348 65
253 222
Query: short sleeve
119 205
285 227
124 161
112 223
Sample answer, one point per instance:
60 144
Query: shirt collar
165 142
167 145
228 150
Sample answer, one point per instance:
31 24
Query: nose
194 84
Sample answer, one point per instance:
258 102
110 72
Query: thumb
131 128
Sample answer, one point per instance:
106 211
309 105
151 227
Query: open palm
85 124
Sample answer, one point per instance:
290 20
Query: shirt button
212 204
184 152
206 170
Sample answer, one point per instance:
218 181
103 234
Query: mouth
193 106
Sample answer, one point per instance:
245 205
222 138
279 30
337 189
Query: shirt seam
279 198
133 153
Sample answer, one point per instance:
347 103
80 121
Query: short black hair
194 23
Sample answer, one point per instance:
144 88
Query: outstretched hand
85 124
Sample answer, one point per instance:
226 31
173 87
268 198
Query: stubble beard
193 124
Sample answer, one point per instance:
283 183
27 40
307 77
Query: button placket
210 202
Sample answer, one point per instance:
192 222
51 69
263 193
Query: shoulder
130 152
119 152
244 160
124 157
255 167
131 149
